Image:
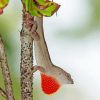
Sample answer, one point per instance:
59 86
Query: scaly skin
50 74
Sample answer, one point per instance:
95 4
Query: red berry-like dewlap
49 84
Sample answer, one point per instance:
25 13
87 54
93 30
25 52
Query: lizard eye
68 75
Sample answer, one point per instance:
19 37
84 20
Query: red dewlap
49 84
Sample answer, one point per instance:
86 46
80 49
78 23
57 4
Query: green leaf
40 8
50 10
3 4
41 2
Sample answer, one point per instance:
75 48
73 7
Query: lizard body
50 73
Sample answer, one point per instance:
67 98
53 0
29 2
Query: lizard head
61 75
51 83
52 79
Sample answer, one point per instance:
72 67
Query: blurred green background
73 38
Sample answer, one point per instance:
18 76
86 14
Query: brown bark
5 72
2 93
26 61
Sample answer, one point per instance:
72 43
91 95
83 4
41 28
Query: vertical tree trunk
26 62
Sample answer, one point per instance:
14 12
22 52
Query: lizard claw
34 34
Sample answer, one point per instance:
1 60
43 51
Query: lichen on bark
26 64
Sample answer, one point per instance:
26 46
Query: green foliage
40 8
3 4
37 8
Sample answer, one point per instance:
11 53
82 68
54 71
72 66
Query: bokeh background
73 39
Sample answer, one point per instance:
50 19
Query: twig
5 72
26 61
2 93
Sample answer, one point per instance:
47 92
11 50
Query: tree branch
2 93
6 72
26 60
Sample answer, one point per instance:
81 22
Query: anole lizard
52 77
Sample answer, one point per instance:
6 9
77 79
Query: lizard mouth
71 81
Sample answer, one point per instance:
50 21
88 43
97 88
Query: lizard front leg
39 68
33 33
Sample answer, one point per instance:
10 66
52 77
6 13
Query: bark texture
26 68
6 73
2 93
